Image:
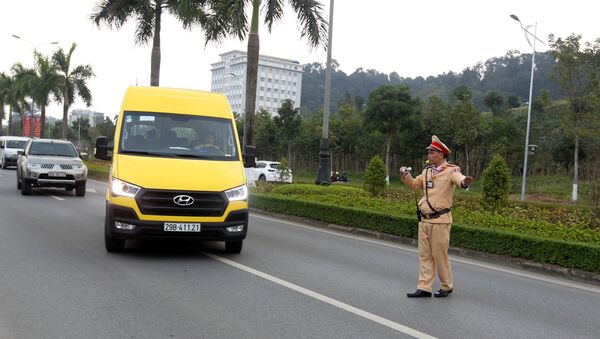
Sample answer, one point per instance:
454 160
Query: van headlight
238 193
124 189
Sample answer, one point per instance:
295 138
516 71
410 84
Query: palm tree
310 19
18 90
148 13
71 81
46 82
3 95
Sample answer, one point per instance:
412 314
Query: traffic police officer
438 180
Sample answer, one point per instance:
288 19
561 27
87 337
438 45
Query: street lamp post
32 115
324 153
527 34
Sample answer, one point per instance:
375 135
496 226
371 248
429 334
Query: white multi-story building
95 118
278 79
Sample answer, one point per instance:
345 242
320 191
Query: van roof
178 101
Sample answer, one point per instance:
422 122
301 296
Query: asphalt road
290 281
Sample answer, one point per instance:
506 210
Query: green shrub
495 183
284 170
499 241
375 176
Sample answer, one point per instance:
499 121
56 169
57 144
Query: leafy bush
495 183
498 241
375 176
284 170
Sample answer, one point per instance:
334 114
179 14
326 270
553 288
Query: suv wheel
3 163
18 182
80 189
262 178
234 246
25 187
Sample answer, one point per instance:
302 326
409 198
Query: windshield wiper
192 156
148 153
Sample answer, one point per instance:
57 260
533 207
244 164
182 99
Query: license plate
182 227
57 174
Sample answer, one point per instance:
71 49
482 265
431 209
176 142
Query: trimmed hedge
567 254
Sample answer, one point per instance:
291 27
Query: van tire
3 163
80 189
234 247
113 245
18 182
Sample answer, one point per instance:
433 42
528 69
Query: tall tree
148 17
388 108
233 12
71 81
19 91
577 71
288 122
464 121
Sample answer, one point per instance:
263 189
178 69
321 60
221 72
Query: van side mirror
104 148
249 156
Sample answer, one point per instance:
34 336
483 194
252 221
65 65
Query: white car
269 171
9 146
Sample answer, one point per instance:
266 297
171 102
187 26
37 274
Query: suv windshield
53 149
177 135
18 144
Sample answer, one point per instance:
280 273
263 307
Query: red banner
37 121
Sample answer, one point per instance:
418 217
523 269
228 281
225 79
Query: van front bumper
210 231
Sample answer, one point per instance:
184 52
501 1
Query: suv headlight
78 166
237 194
34 166
124 189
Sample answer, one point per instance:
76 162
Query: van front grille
159 202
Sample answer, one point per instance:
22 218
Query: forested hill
509 75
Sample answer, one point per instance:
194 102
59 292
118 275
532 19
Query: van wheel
25 187
262 178
113 245
3 163
234 246
18 182
80 189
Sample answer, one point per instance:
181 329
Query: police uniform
438 184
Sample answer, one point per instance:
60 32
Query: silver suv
50 163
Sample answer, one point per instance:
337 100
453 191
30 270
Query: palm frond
311 21
115 13
273 12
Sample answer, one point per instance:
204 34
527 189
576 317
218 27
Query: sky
412 38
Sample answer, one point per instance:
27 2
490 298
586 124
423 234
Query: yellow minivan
176 170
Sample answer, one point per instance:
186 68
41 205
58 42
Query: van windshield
18 144
177 135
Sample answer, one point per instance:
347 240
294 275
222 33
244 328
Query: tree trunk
251 76
575 167
388 145
467 159
155 58
9 129
66 105
42 121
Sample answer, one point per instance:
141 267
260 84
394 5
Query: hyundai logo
183 200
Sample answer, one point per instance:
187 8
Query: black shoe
419 294
442 293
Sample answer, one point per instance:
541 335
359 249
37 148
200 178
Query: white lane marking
57 198
91 190
513 271
349 308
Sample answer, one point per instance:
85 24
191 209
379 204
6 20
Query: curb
502 260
